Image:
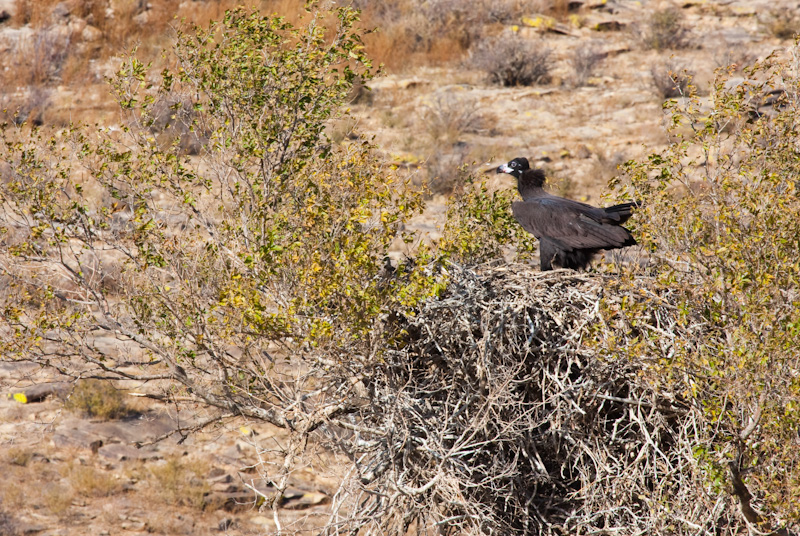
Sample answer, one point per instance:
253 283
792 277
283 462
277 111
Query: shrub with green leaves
215 272
481 228
722 221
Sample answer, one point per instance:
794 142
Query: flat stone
300 500
38 393
120 452
233 501
261 520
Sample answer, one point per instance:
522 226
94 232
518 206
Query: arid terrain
77 460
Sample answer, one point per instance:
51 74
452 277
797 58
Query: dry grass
88 481
20 456
671 79
512 60
57 499
37 13
97 398
180 481
666 29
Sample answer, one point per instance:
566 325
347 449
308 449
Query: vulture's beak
504 169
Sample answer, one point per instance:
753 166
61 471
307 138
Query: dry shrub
37 13
89 481
783 24
40 58
97 398
57 499
414 32
180 482
36 64
445 168
512 60
666 29
671 80
9 525
18 456
586 59
447 118
492 415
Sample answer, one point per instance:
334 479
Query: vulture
570 233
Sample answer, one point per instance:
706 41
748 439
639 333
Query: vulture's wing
573 225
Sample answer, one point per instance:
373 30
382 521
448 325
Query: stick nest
497 412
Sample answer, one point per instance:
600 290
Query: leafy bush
722 220
512 60
480 226
249 280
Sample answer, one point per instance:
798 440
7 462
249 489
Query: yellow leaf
21 398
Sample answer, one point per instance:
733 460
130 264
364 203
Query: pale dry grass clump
666 29
671 79
89 481
180 481
513 60
97 398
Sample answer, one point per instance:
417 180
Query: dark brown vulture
570 233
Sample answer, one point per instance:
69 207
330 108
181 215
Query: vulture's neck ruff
530 183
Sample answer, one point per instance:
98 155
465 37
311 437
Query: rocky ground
67 473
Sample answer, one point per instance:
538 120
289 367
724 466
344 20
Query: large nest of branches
496 412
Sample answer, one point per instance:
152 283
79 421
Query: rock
37 393
8 8
218 473
76 26
300 500
140 429
73 437
17 369
142 18
94 446
231 501
90 34
261 520
60 11
582 151
119 452
137 526
29 528
609 26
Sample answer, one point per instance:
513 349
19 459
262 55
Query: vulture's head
515 167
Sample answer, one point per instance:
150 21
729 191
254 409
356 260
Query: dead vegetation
492 415
512 60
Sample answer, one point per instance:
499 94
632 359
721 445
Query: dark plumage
570 233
